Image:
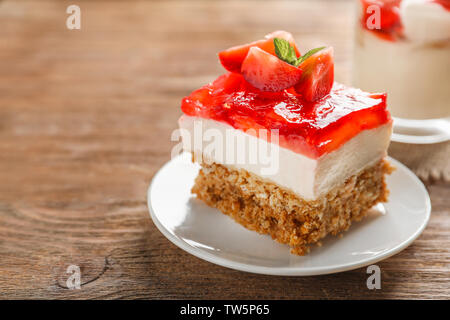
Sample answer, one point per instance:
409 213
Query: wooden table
85 122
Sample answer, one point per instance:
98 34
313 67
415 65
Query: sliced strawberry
268 73
233 57
318 75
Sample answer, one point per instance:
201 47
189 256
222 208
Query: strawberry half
268 73
232 58
318 75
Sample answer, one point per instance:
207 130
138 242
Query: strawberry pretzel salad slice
284 150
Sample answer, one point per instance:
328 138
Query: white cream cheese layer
308 178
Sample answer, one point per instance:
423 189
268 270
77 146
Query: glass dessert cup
407 54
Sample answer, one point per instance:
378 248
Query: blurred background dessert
407 55
402 47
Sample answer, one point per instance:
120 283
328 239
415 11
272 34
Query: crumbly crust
270 209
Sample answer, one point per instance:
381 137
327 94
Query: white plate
215 237
421 131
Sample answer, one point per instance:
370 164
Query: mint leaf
309 54
286 52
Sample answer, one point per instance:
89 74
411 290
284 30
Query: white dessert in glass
408 56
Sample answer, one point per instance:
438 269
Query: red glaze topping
309 128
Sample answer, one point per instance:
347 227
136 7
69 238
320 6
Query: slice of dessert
283 150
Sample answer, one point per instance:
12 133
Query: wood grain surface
85 122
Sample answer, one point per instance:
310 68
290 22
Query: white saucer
421 131
215 237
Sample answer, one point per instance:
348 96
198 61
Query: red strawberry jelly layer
308 128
